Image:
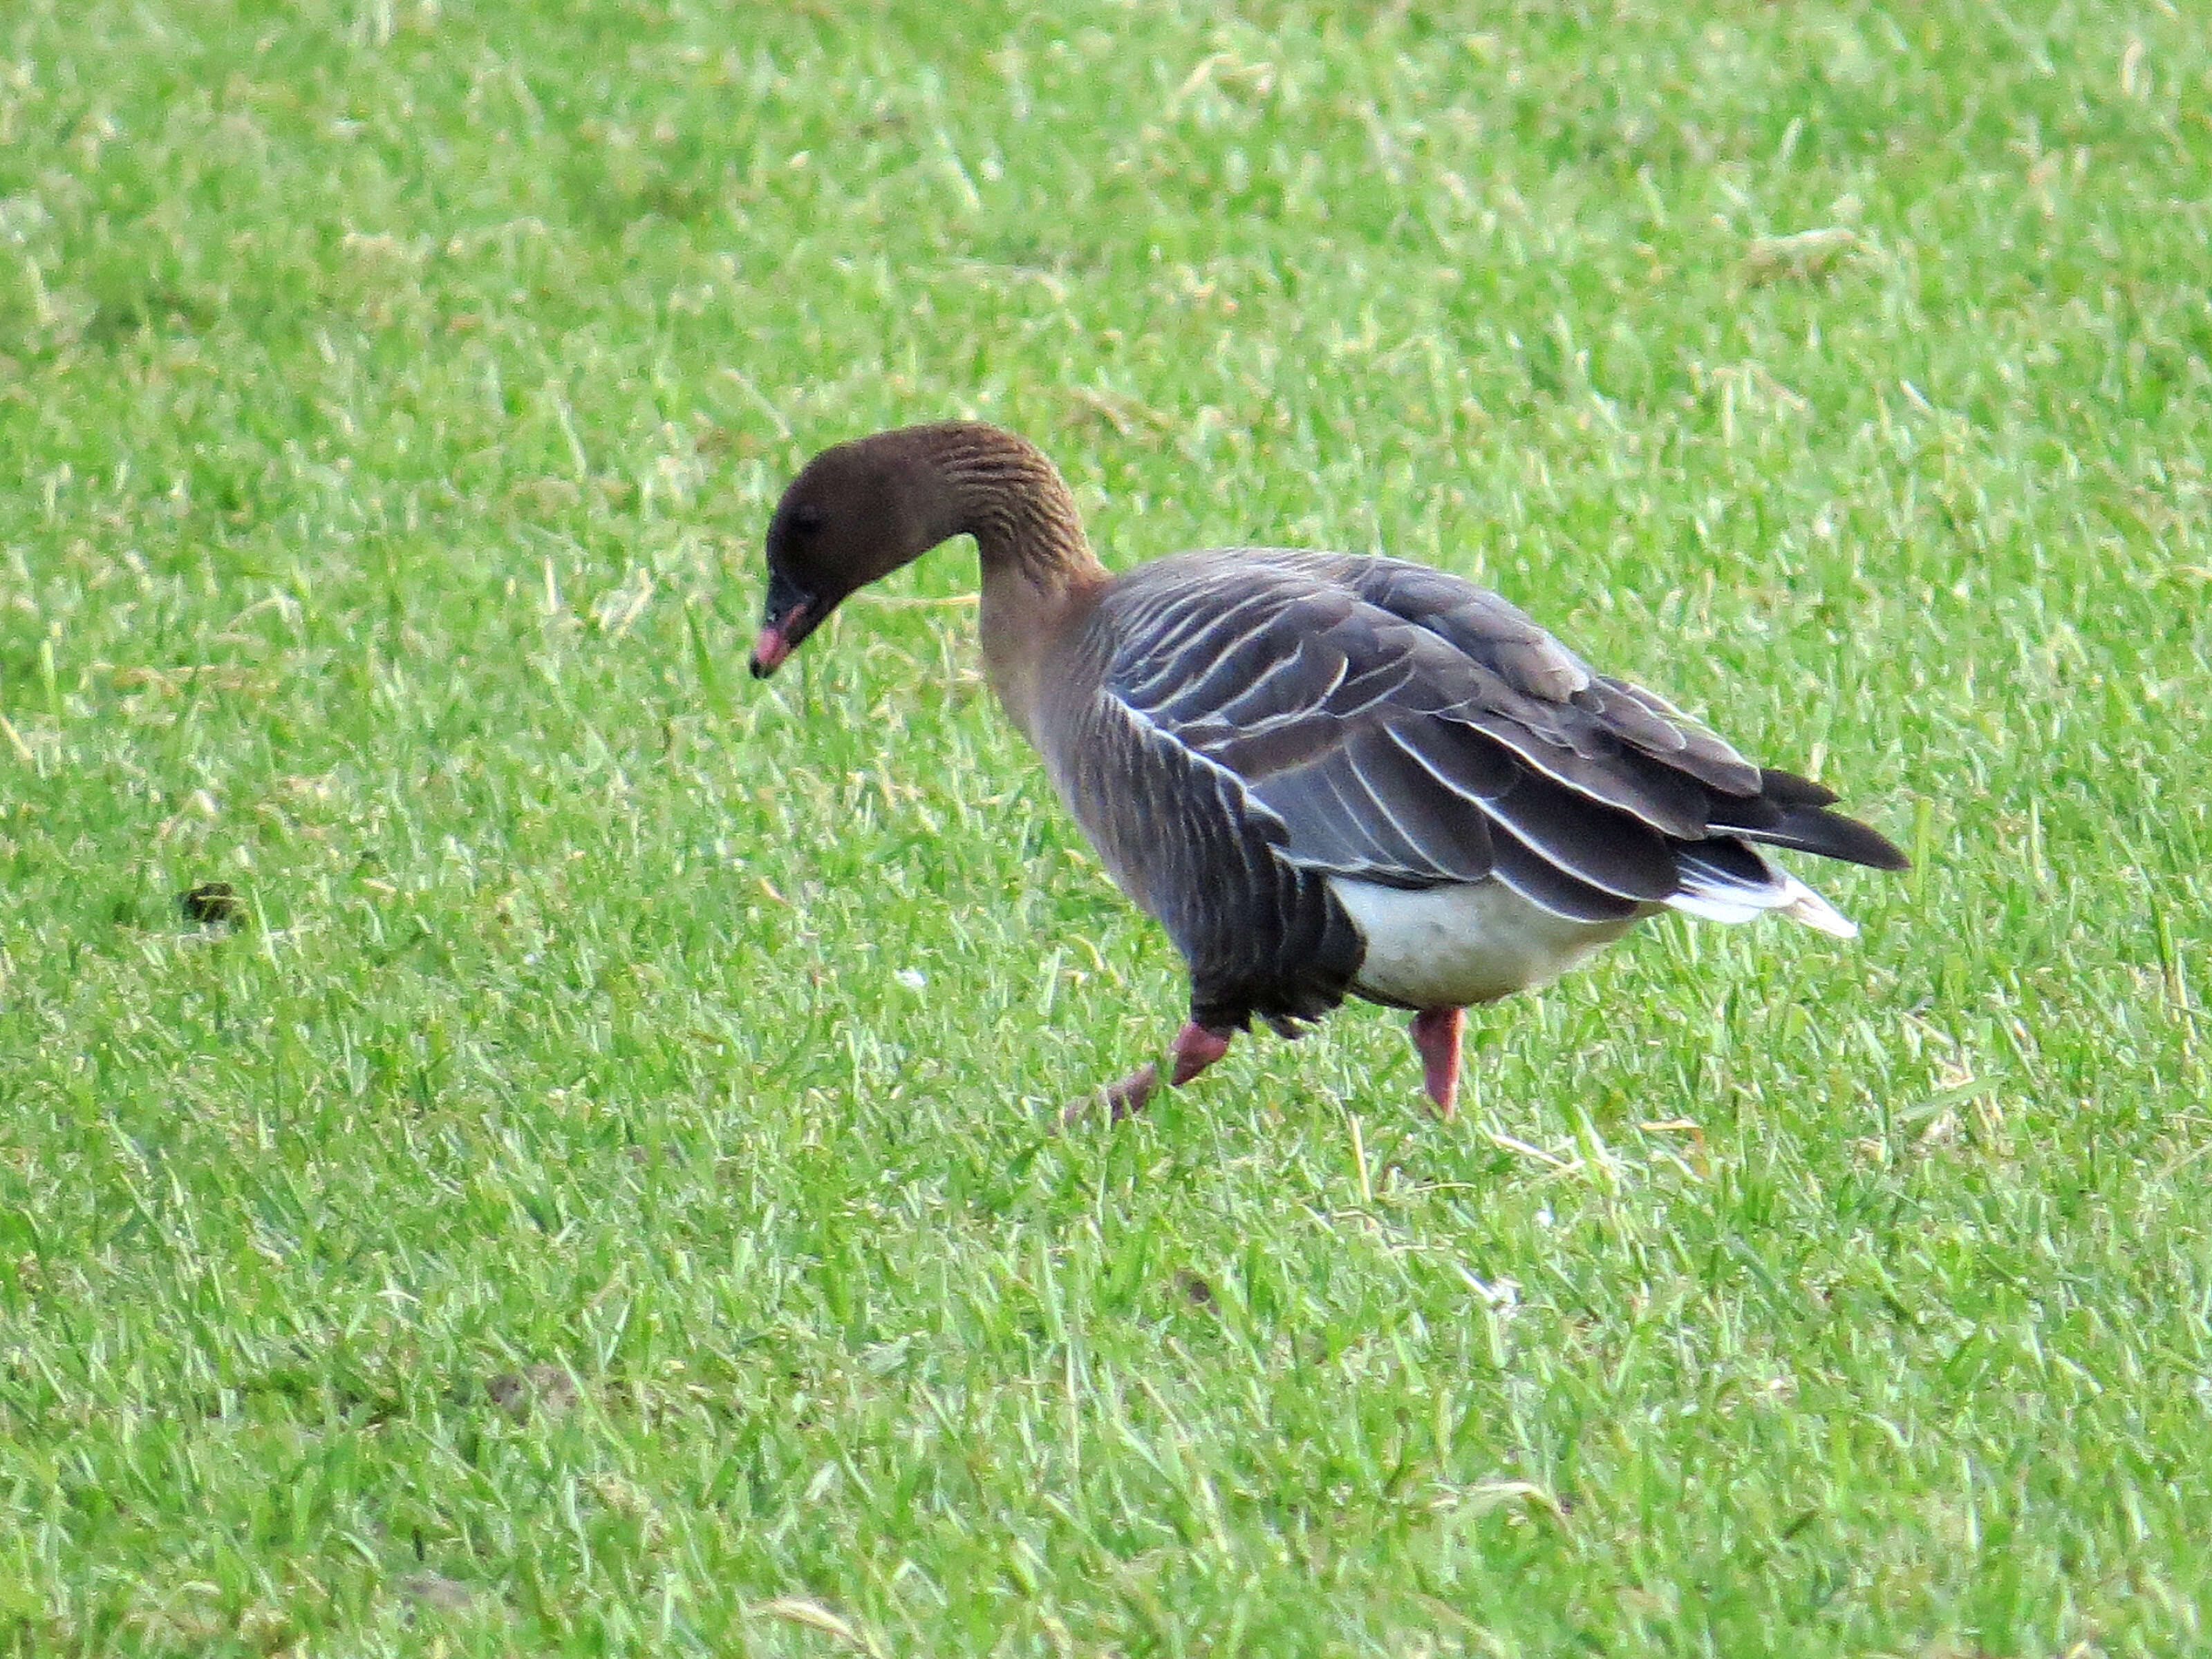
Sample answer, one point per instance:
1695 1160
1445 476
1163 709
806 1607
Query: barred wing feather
1398 725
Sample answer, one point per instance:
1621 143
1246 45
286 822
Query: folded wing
1389 723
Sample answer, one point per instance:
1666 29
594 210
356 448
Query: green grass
393 393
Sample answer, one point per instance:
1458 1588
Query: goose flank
1324 774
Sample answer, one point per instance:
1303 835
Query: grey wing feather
1398 725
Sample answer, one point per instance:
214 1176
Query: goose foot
1124 1099
1195 1048
1436 1037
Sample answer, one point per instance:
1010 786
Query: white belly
1448 947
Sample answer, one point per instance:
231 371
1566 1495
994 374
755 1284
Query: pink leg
1436 1035
1195 1049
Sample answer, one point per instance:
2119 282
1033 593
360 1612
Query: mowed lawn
597 1194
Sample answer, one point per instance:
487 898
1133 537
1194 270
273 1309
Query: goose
1324 774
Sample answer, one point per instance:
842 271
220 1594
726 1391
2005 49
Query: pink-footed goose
1325 774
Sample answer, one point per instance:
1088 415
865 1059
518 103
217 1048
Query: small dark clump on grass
212 904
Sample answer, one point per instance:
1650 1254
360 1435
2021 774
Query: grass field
597 1198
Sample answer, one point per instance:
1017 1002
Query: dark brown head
854 515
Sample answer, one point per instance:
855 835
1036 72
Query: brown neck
1038 571
1013 501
